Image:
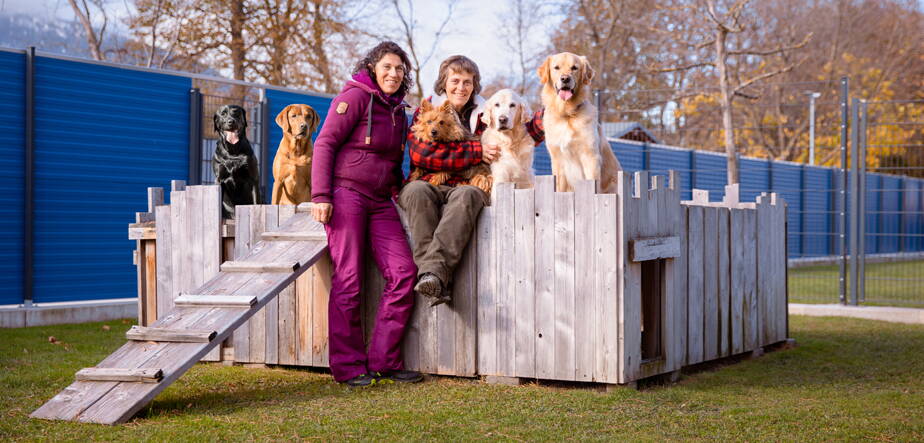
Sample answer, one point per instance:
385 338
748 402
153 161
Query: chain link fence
794 139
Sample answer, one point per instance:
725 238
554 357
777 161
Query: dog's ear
523 113
543 70
446 107
587 72
282 119
426 106
487 117
315 119
215 123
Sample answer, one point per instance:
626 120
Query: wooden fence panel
710 284
564 286
545 281
737 285
695 306
585 329
524 275
606 290
724 271
487 292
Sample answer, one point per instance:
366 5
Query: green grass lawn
894 284
847 379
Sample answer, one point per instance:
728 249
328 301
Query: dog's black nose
433 132
502 119
565 80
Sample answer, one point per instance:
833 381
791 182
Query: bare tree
720 25
410 32
85 15
516 23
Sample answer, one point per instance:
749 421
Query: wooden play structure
571 286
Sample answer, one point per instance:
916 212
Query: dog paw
438 178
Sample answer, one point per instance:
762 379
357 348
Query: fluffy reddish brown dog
577 146
292 165
442 124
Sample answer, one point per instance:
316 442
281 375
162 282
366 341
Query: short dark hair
457 63
375 54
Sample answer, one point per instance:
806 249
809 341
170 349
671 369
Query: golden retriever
506 115
292 165
577 146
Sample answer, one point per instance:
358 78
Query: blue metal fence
104 133
12 174
102 136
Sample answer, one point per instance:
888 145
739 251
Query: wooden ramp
156 356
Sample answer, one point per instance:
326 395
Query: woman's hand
489 153
322 211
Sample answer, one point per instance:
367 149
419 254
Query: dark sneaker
360 380
401 376
429 286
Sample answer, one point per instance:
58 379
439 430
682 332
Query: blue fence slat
664 160
103 136
873 185
711 174
787 182
819 216
631 156
889 218
12 175
754 176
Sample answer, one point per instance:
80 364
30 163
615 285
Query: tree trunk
237 44
726 101
92 41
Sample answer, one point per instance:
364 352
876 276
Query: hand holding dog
489 152
321 212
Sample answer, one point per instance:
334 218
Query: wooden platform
111 402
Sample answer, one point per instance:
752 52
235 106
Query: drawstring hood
363 81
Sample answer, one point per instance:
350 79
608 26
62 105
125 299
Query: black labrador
234 163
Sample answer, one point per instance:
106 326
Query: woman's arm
337 128
534 127
437 156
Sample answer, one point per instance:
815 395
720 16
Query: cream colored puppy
577 146
506 114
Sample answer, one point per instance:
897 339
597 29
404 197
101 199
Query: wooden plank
764 268
224 301
700 196
181 260
545 273
259 224
150 281
487 292
272 307
294 236
524 276
242 266
506 294
671 223
585 338
209 216
683 299
287 332
155 198
464 303
143 375
738 269
781 256
243 241
304 305
723 276
564 286
654 248
606 291
695 288
751 318
321 289
710 284
631 189
143 333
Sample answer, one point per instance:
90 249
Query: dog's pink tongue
231 137
564 94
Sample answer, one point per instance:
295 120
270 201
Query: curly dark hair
372 57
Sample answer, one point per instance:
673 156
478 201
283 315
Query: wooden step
217 301
304 207
295 236
142 333
245 266
144 375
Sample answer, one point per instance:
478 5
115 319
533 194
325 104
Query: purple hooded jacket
361 145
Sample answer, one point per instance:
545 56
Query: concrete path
890 314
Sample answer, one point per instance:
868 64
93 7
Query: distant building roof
628 131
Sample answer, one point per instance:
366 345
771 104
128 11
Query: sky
474 31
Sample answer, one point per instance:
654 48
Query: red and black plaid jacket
456 156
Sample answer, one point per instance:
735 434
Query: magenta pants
358 221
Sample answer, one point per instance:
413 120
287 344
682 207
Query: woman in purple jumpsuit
355 175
